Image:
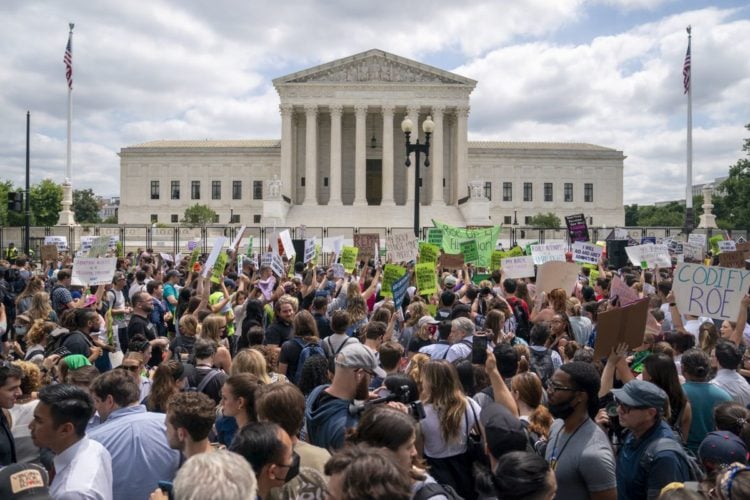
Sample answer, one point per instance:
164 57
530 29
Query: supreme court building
340 160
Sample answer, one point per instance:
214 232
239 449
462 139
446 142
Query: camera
401 395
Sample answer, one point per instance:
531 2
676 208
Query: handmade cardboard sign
309 250
555 274
697 239
518 267
692 253
61 242
727 246
366 242
621 324
402 247
732 259
217 273
652 255
93 271
486 239
586 252
713 292
215 251
620 290
48 252
548 252
451 261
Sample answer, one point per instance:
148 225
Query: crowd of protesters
166 383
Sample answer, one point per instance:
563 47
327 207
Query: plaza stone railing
174 239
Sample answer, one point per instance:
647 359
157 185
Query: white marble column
436 157
287 186
461 189
334 180
360 154
311 154
413 113
387 155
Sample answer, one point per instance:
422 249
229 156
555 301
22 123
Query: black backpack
696 471
541 364
308 350
431 490
523 325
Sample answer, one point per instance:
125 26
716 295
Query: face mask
294 469
20 330
562 410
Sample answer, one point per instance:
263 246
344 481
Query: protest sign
402 247
249 249
713 243
217 273
338 271
593 276
287 243
428 252
697 239
215 251
496 259
648 239
548 252
470 250
652 255
349 258
577 228
518 267
435 237
93 271
61 242
194 257
621 324
727 246
48 252
238 238
191 245
451 261
398 290
586 252
674 246
620 290
732 259
309 250
391 274
692 253
166 257
426 280
486 239
367 243
99 246
277 265
713 292
556 274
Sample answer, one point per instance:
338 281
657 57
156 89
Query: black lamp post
515 229
428 126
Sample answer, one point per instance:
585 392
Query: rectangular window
588 192
528 194
488 190
568 191
548 191
527 220
507 191
215 190
154 218
195 190
234 219
256 218
236 190
175 218
302 181
154 190
175 189
325 181
257 190
507 219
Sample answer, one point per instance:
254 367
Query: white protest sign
692 252
166 257
338 271
697 239
99 246
237 238
309 250
286 242
555 274
548 252
621 234
713 292
277 265
92 271
586 252
727 246
652 255
218 244
402 247
61 242
518 267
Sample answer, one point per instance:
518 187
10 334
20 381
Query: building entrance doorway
374 182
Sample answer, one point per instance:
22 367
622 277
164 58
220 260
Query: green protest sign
516 251
426 280
479 277
349 258
217 274
713 242
497 257
485 239
249 250
428 252
391 274
470 250
435 237
194 257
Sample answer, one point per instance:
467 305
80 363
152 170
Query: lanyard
555 457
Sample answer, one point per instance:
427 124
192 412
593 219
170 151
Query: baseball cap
722 447
24 482
358 357
450 281
426 320
230 283
173 273
641 394
504 432
90 301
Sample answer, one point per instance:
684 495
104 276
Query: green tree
737 189
45 203
631 215
7 219
112 219
85 206
544 221
199 214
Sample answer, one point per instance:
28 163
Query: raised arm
737 336
499 388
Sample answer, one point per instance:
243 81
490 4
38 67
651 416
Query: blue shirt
137 441
703 397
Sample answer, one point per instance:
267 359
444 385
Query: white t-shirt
434 445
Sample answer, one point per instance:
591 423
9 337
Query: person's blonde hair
417 309
442 389
40 306
188 325
558 299
211 327
31 376
251 361
355 303
414 370
38 331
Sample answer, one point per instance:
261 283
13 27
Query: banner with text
518 267
713 292
486 239
548 252
93 271
586 252
402 247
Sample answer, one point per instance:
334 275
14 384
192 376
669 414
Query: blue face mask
21 330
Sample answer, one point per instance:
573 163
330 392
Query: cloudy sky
607 72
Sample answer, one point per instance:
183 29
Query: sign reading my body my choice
714 292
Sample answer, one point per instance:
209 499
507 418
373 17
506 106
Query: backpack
330 347
649 454
431 490
308 350
541 364
523 325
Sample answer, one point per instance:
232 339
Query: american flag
686 70
68 60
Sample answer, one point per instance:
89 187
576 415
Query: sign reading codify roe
714 292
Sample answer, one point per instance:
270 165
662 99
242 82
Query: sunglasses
129 368
628 408
553 388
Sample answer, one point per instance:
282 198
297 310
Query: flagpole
66 215
689 222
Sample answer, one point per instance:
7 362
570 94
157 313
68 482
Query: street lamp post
515 229
428 126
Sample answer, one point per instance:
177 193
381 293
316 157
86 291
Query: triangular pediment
375 66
